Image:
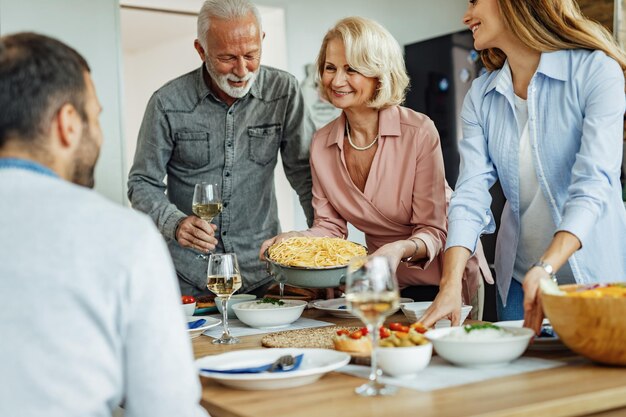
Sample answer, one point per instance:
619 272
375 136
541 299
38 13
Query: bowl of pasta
312 262
589 319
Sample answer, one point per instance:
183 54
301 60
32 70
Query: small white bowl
189 308
234 299
269 318
404 361
480 353
413 312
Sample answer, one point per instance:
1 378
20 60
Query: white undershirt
535 218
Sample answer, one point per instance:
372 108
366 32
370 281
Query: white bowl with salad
480 345
269 313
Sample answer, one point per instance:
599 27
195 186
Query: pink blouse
406 194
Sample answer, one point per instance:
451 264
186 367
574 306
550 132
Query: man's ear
69 126
200 49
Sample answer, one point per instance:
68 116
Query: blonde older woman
379 165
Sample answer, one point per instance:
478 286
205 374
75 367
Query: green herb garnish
267 300
472 327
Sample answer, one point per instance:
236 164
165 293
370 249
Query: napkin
195 324
256 369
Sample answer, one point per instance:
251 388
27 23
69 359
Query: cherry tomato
356 335
342 331
395 326
403 329
419 327
364 331
188 299
384 332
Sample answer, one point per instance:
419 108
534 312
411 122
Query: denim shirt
575 113
190 135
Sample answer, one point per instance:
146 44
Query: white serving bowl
272 317
404 361
234 299
189 308
413 312
480 353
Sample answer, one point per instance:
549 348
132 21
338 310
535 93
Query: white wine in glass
372 294
223 279
207 203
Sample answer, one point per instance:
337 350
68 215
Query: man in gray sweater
91 314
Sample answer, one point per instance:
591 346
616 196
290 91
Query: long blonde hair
551 25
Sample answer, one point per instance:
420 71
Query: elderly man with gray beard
223 123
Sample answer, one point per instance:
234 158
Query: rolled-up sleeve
429 194
470 213
146 187
600 156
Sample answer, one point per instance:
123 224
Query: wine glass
223 279
371 295
206 204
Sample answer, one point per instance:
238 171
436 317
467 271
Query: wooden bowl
592 327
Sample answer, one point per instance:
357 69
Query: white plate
315 363
210 322
337 306
539 343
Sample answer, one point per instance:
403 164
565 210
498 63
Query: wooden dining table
580 387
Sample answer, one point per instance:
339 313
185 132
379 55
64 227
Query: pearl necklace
359 148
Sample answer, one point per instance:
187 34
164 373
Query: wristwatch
546 267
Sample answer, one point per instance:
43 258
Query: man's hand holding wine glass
195 233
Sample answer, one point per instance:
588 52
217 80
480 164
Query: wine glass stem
281 285
224 301
373 330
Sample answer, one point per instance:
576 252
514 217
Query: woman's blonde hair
373 52
551 25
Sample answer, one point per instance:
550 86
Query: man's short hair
38 75
373 52
224 9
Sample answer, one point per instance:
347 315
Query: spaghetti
314 252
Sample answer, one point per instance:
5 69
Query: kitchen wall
92 28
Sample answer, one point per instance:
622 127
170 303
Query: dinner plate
315 363
210 322
544 343
337 306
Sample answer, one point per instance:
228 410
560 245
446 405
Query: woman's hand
277 239
449 301
393 251
533 311
447 305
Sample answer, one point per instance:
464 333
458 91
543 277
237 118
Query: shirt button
227 174
225 205
224 233
229 144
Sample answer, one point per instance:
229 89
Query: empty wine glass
207 203
371 295
223 279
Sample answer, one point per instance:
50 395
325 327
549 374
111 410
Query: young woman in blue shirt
547 122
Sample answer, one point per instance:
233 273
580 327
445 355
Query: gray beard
222 82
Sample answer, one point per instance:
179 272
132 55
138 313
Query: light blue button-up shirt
576 108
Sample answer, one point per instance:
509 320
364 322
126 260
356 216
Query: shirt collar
388 125
204 90
551 64
27 165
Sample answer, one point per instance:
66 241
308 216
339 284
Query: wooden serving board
318 337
